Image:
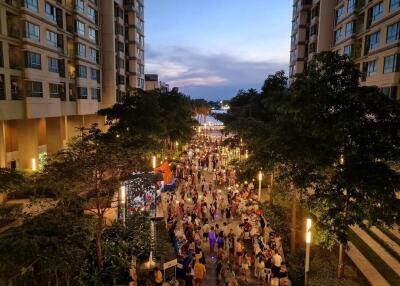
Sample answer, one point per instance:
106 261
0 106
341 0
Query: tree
11 180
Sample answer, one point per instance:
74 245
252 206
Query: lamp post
34 165
122 201
260 176
154 162
308 244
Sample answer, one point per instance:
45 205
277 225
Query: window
1 55
80 6
373 41
92 14
338 35
82 93
390 91
34 89
82 71
94 74
53 65
92 34
61 91
350 28
93 92
50 11
377 12
80 27
94 55
339 14
33 60
390 64
54 90
31 5
394 5
52 39
371 68
347 50
2 87
393 32
32 31
80 50
351 5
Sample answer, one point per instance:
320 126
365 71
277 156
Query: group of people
211 219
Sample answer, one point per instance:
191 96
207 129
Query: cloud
209 75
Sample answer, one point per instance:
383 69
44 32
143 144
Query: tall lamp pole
122 200
308 244
260 176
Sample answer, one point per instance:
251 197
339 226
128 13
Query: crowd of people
214 221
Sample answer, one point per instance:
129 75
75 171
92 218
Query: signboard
170 264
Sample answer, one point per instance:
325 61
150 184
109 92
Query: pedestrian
239 252
228 214
276 262
218 269
212 239
206 230
199 273
220 240
246 262
189 277
158 277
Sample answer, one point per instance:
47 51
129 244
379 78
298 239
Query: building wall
68 85
326 17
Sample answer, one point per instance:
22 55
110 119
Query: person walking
199 273
189 277
212 239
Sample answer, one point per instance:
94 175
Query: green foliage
44 249
11 180
9 213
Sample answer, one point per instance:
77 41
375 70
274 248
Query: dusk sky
212 48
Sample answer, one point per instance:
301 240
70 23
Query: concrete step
378 249
392 244
365 267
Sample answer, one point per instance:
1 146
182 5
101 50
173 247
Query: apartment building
152 83
123 48
366 30
54 75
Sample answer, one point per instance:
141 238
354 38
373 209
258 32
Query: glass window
349 29
390 64
93 73
390 91
51 39
80 27
31 5
339 14
371 68
393 32
377 12
53 65
50 11
34 89
82 93
80 6
374 41
33 60
1 55
92 34
93 55
93 92
347 50
54 90
82 71
2 87
92 14
394 5
338 35
80 50
351 5
32 31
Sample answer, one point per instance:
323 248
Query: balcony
16 88
15 57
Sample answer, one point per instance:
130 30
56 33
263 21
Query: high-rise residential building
57 61
152 83
366 30
123 48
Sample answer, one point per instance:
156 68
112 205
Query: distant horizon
236 48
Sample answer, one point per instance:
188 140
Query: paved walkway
379 250
366 268
393 245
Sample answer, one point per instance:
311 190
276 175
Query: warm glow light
260 176
247 154
122 194
308 230
176 143
341 159
154 162
34 167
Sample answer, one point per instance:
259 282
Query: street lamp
34 166
122 201
154 161
260 177
308 244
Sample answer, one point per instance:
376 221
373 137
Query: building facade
54 75
152 83
366 30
